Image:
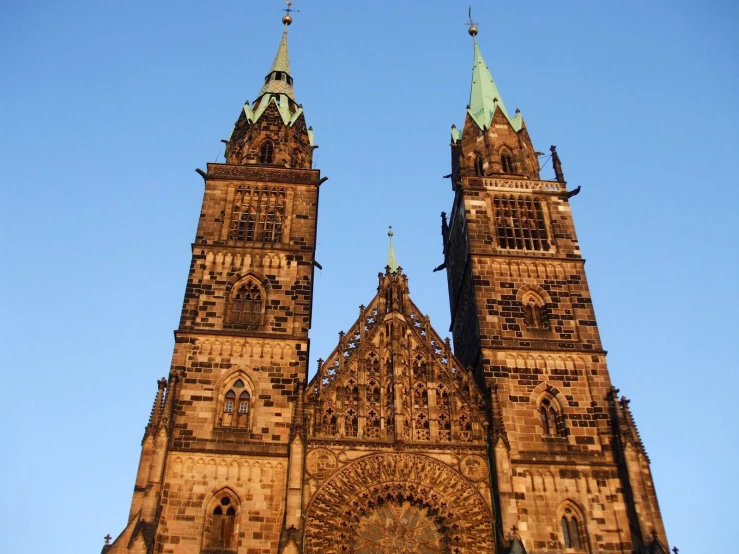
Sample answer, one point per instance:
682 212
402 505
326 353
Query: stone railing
516 184
263 174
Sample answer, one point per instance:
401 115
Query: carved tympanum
401 503
398 528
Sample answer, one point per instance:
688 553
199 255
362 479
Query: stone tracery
400 503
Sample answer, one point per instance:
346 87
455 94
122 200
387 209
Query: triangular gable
392 377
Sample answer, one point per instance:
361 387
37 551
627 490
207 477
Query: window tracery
258 214
236 406
551 421
421 431
520 223
246 304
572 532
221 534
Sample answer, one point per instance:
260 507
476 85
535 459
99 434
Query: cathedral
510 438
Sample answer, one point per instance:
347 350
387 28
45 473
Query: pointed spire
484 94
279 80
392 262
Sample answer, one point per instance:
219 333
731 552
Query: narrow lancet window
266 152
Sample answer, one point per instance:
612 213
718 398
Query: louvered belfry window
519 223
258 215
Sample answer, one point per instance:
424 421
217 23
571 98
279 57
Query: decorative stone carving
260 173
474 468
398 528
320 463
396 502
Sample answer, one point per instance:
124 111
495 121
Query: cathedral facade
512 439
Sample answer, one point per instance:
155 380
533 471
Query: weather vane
471 24
287 19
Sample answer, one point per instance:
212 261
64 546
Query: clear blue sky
107 108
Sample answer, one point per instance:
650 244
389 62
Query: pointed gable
392 378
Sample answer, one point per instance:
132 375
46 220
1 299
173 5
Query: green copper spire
391 261
279 80
484 96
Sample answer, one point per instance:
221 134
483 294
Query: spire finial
392 262
471 24
287 18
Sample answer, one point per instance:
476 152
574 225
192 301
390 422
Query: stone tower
218 470
514 441
570 472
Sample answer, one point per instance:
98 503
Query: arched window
571 531
479 166
236 405
266 152
258 214
535 313
222 524
506 162
551 422
246 304
228 404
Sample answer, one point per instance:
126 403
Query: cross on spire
471 24
287 18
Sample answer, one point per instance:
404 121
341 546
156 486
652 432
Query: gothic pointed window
479 166
506 162
535 314
236 405
519 223
551 421
228 404
266 152
244 402
246 304
222 525
257 214
570 523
